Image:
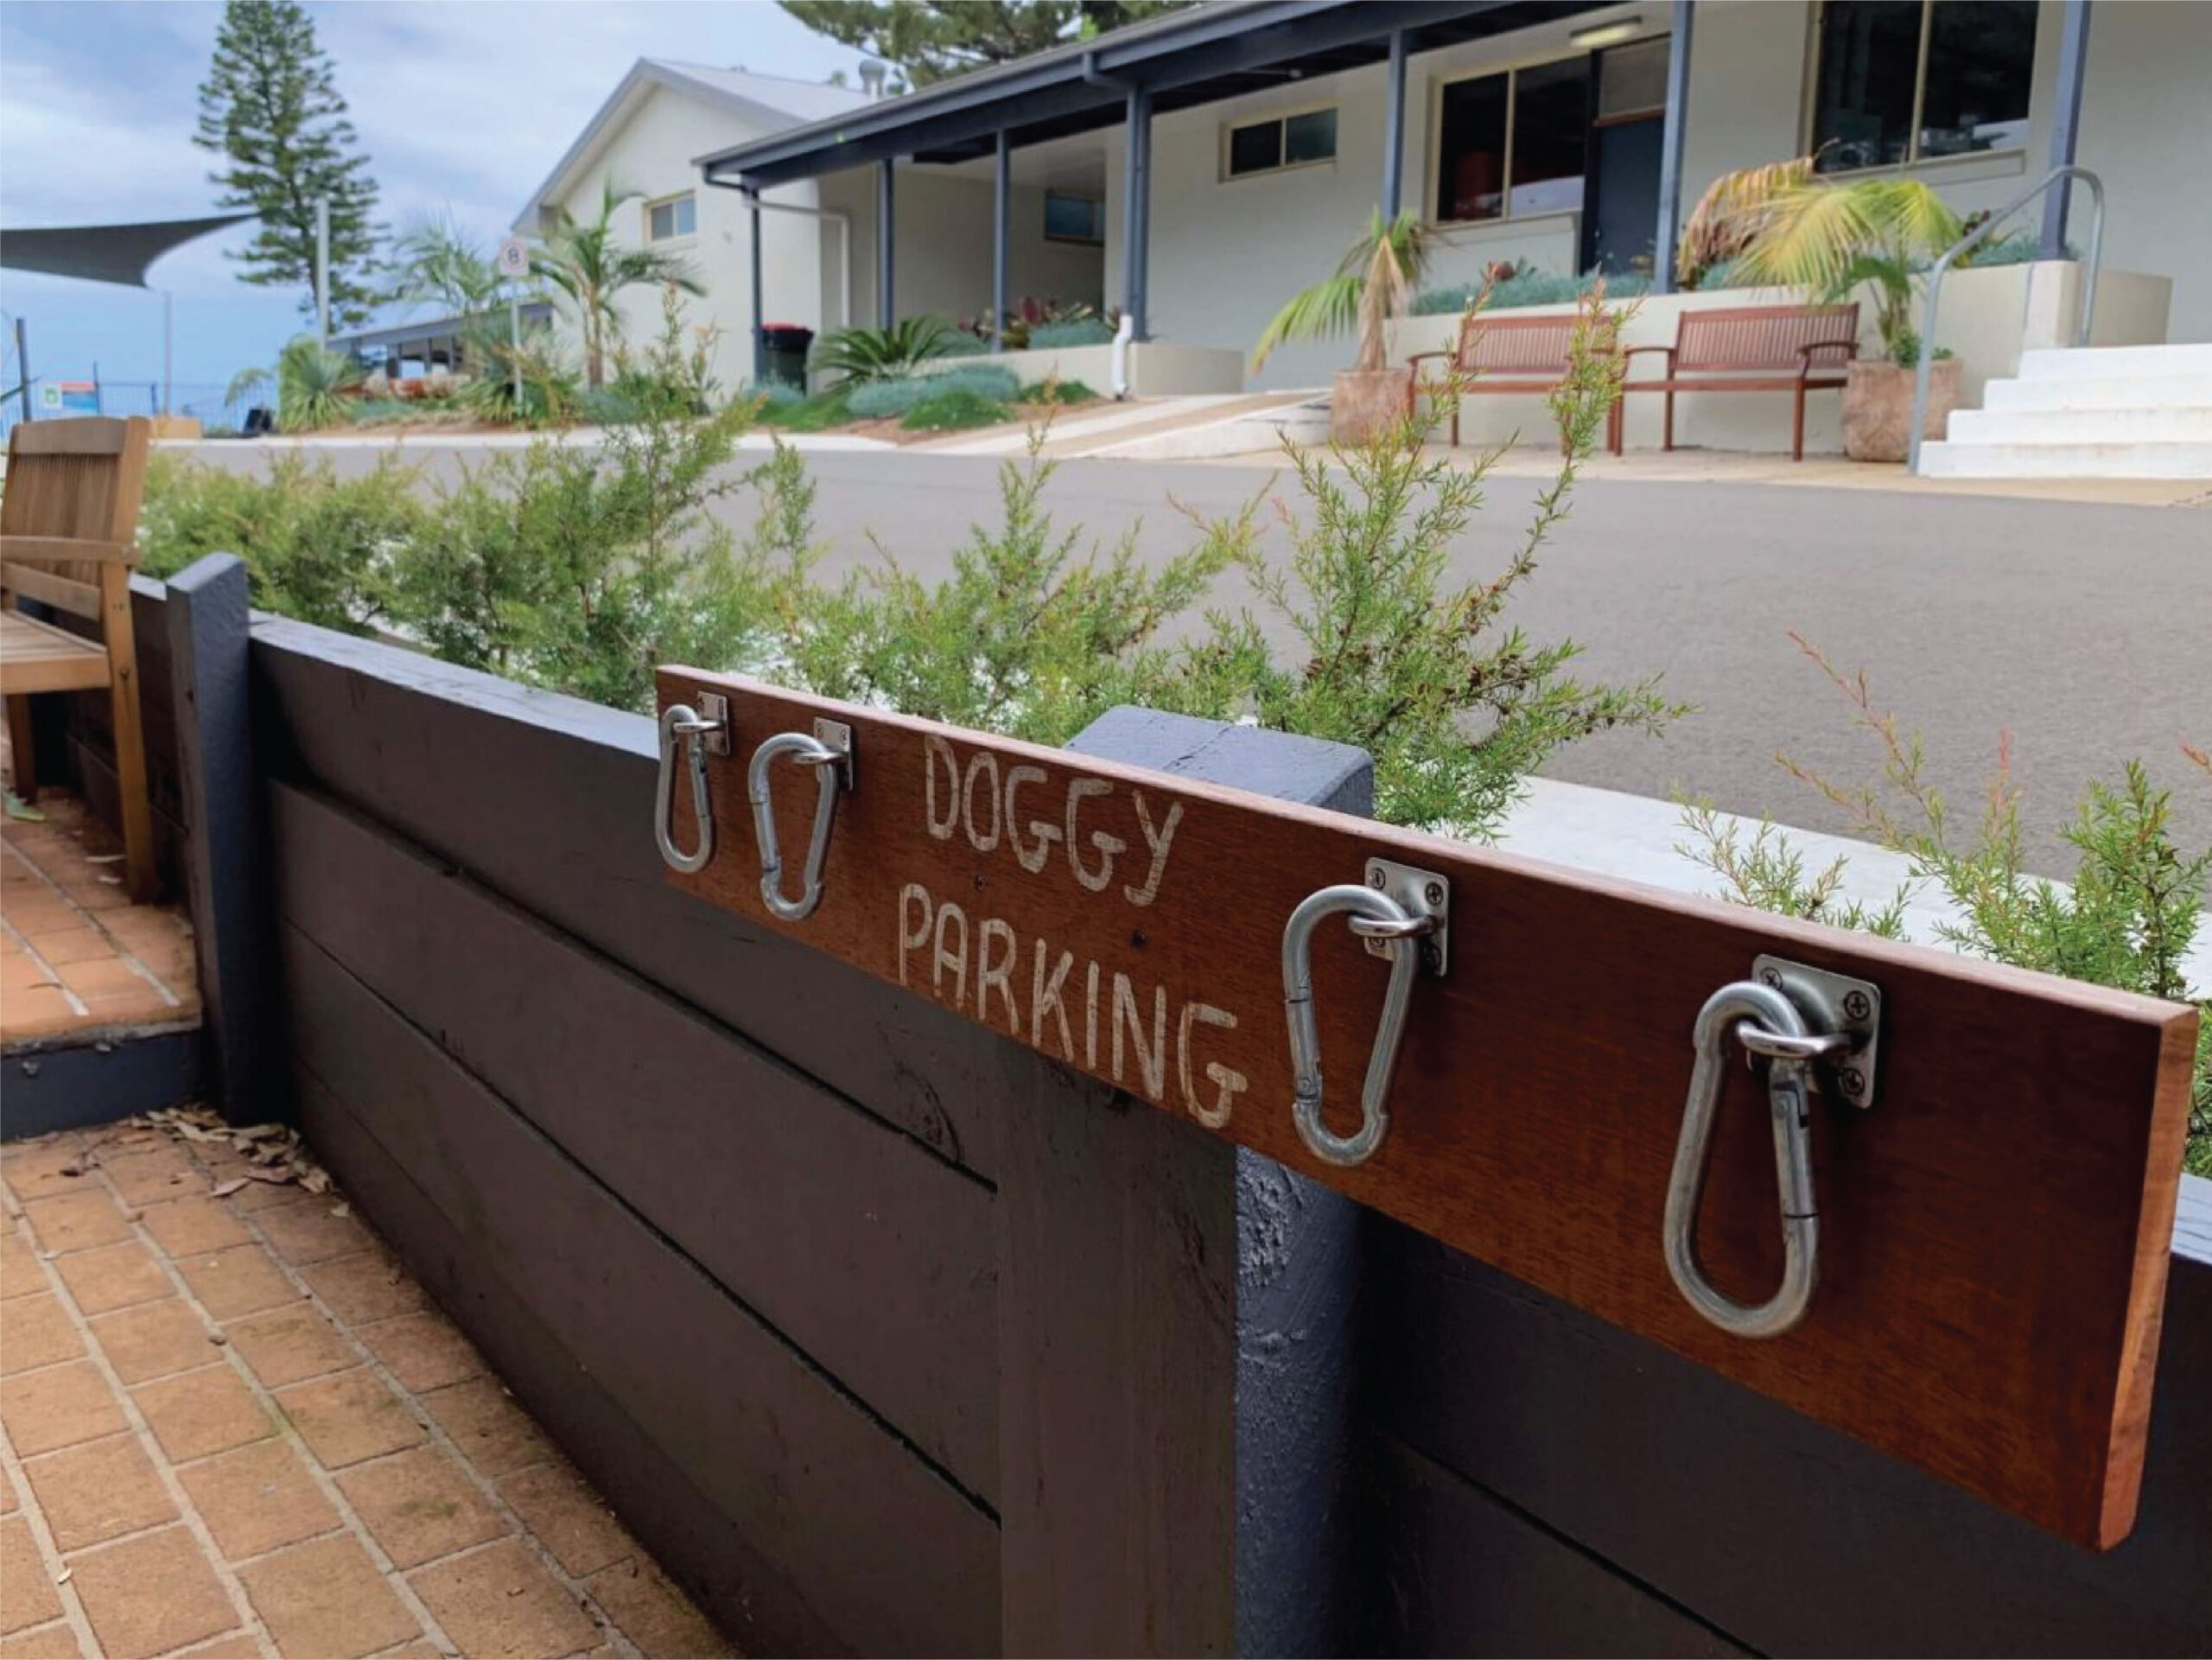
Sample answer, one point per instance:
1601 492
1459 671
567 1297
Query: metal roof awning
105 253
1184 59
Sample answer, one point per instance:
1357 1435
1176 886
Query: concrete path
233 1425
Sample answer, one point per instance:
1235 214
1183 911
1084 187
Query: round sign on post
514 257
49 395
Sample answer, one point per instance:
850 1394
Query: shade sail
104 253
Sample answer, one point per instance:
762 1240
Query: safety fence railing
2059 178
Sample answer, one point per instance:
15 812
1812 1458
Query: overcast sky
466 103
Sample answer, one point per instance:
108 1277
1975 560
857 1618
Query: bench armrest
1424 357
1628 363
1849 349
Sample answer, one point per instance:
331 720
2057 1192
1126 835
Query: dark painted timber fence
889 1336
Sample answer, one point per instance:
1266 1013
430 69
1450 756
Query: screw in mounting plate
1853 1080
1376 879
1858 1005
1772 977
1433 892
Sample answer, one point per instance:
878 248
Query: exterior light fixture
1613 33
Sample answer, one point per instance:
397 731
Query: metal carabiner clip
1769 1024
1378 916
829 749
680 724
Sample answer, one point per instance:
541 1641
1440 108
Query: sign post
514 265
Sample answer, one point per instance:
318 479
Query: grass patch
816 413
1057 391
955 410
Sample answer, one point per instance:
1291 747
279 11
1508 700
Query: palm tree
1826 238
1374 284
583 261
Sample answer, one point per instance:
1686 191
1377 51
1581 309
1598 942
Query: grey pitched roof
768 103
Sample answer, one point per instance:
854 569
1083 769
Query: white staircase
2087 412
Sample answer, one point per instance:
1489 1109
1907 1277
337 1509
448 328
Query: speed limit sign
514 257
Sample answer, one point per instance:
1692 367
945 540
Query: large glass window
1280 142
1551 137
1471 150
1899 80
1479 174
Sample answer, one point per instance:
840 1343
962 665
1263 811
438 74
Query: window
1074 218
1905 80
1514 142
672 217
1280 142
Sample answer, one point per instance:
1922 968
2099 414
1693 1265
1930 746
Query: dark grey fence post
227 876
1175 1372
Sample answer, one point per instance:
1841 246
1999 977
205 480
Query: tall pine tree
270 107
929 39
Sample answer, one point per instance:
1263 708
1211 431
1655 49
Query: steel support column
759 316
1394 126
1671 139
886 312
1001 218
1136 217
2066 122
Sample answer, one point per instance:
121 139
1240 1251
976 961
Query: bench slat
37 656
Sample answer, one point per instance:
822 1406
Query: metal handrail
1920 376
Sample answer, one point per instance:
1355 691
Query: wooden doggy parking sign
1922 1198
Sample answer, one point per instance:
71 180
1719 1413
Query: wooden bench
68 521
1752 349
1505 354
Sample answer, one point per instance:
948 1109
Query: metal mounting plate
1424 894
714 706
1834 1002
838 736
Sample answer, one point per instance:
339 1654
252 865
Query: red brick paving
340 1474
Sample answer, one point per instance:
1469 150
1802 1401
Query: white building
1567 135
816 236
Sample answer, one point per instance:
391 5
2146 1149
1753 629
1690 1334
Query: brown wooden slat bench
1752 349
1505 354
67 527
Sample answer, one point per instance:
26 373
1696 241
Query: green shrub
1055 391
317 546
860 354
882 397
1532 288
315 385
1083 331
816 413
1033 634
2127 919
962 344
955 410
776 394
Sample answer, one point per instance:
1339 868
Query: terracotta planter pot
1877 408
1366 403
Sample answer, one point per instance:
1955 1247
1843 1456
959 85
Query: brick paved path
234 1426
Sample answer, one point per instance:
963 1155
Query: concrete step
2110 362
2067 461
2085 392
2135 426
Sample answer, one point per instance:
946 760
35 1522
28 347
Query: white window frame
1278 119
1807 136
672 203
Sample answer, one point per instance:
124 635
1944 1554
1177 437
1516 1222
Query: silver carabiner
829 749
1375 915
679 723
1767 1023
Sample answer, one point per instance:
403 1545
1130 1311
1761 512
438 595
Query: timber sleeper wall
821 1284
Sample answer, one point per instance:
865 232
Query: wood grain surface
1995 1230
